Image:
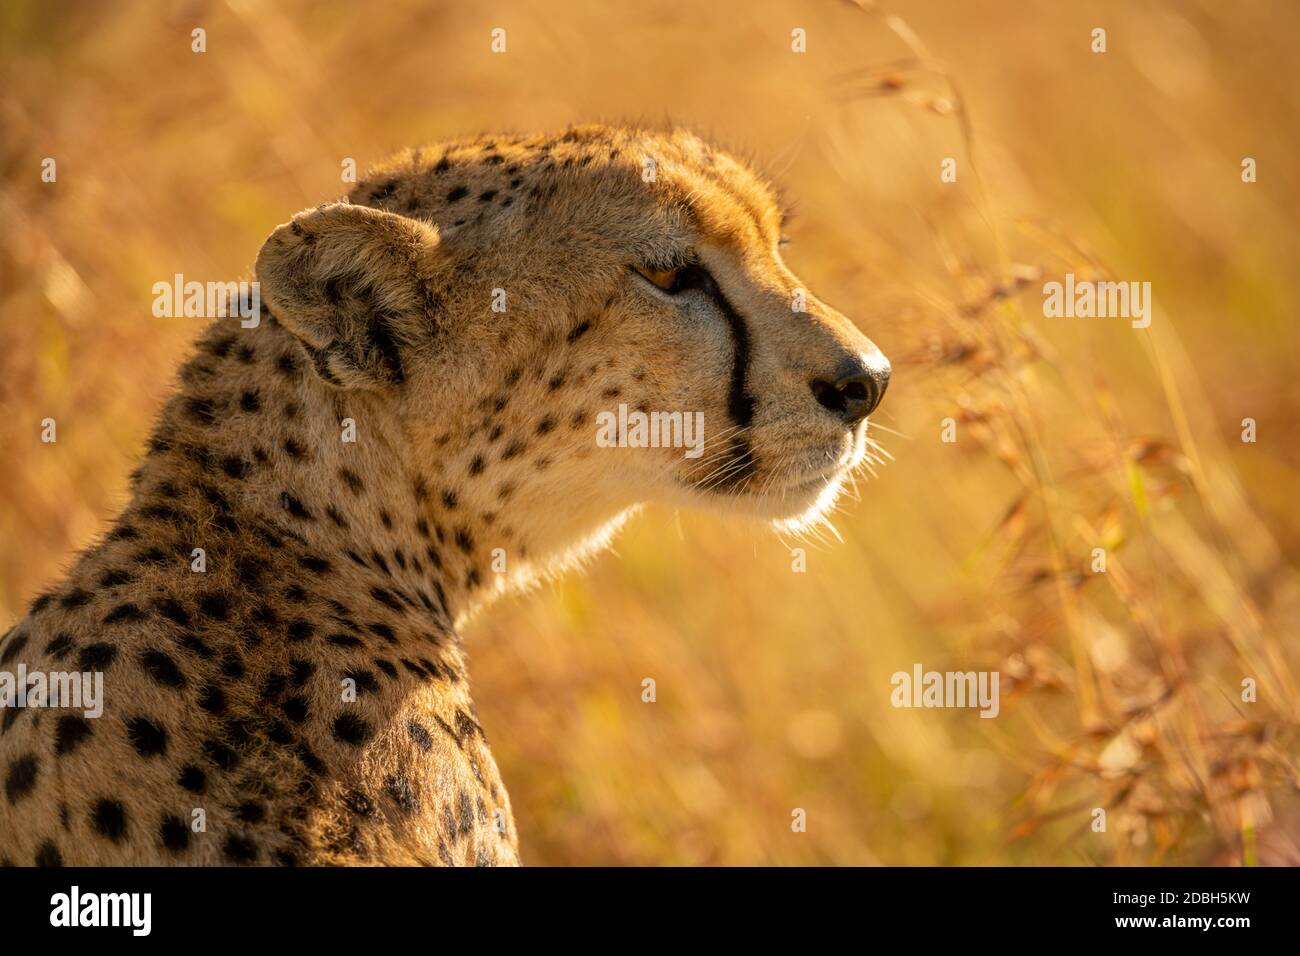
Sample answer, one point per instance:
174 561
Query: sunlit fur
475 471
565 251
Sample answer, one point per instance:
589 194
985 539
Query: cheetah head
525 301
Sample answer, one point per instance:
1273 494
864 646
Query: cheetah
407 433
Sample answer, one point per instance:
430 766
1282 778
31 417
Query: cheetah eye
679 280
663 278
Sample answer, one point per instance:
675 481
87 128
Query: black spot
294 449
299 630
43 601
47 854
352 480
148 739
96 657
162 669
314 564
234 466
351 729
287 365
274 685
251 812
220 754
164 513
309 759
466 813
195 645
381 339
419 735
171 609
465 726
232 665
381 629
278 733
200 410
215 604
220 346
173 832
487 195
295 507
239 849
75 598
399 788
300 671
249 568
69 732
364 679
344 640
12 648
108 817
464 540
193 779
58 647
296 709
198 454
386 666
115 577
250 401
213 699
386 598
358 803
457 194
21 777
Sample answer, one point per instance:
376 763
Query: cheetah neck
433 521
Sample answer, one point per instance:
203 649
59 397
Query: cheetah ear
355 285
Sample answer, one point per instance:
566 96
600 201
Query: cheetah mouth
814 483
811 479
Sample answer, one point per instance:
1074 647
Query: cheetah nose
857 388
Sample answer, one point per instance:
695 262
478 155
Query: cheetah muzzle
408 432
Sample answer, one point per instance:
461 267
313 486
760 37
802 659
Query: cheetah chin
408 432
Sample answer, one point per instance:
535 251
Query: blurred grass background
1119 691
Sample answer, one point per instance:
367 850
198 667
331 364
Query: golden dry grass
1120 690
